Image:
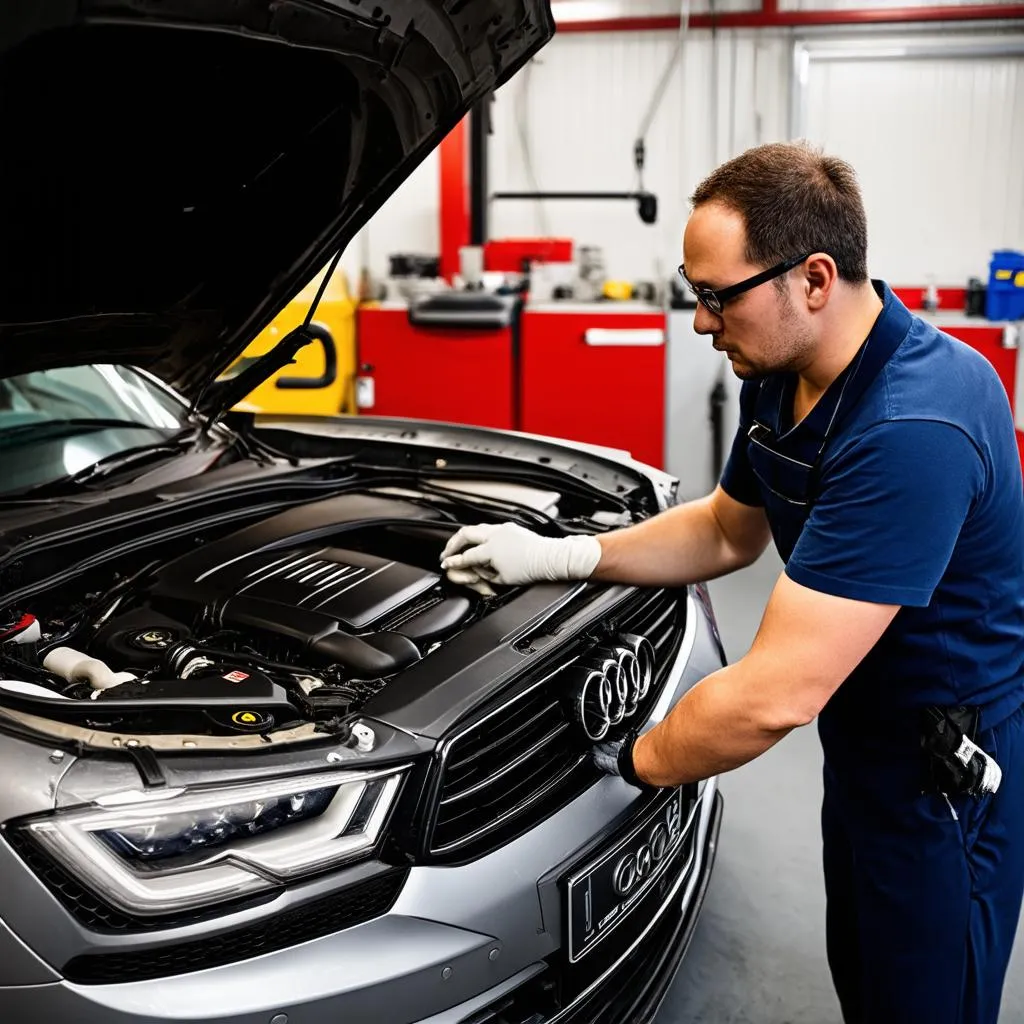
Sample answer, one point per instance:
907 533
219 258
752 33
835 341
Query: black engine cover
293 576
316 587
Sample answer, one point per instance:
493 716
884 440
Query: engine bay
294 621
300 617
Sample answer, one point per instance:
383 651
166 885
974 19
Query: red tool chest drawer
587 374
448 365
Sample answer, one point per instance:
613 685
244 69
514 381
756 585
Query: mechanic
880 456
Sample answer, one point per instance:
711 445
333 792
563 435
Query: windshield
54 423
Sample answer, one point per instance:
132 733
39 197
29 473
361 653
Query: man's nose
704 321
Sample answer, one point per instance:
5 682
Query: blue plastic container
1005 298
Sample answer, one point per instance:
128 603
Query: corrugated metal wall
939 145
939 148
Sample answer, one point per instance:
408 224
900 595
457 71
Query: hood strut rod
232 391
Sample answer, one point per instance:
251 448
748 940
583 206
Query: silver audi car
262 762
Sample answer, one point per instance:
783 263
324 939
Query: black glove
615 757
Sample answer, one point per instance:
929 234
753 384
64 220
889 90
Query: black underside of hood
173 171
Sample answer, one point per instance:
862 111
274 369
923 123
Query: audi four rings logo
633 869
609 687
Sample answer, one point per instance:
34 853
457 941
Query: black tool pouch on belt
942 732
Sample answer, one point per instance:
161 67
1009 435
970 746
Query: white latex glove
988 775
509 554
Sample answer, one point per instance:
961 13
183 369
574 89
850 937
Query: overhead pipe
769 16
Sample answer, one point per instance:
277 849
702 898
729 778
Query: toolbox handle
481 311
626 336
481 321
330 375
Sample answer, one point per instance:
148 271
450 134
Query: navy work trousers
923 895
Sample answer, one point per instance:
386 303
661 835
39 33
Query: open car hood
173 172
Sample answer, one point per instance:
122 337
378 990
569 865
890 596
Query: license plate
602 894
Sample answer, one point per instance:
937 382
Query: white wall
407 222
939 145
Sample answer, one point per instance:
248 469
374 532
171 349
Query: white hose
76 667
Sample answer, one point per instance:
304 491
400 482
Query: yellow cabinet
321 380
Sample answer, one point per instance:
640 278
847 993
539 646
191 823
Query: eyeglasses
714 299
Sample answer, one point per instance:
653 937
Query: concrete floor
758 956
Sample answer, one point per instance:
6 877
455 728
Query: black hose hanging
716 403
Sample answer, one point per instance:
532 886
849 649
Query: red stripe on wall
771 17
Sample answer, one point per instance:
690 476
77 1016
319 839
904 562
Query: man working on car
879 455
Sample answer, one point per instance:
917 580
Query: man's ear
820 275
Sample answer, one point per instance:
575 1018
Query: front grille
524 761
358 903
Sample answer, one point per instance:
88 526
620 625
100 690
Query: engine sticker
236 676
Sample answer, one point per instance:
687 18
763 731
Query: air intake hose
76 667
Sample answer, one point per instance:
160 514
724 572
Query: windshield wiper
111 463
120 460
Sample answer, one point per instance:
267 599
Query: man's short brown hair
793 199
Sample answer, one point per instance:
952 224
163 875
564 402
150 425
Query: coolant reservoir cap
252 720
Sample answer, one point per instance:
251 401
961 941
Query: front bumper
635 991
629 993
393 969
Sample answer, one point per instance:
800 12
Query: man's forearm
716 727
684 544
808 643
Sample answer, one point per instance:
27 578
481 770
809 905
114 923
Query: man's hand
699 540
511 555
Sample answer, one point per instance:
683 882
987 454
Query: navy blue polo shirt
919 503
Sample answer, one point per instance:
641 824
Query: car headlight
163 853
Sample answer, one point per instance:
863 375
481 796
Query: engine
301 617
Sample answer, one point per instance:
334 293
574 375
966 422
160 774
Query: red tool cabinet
450 357
595 373
590 372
